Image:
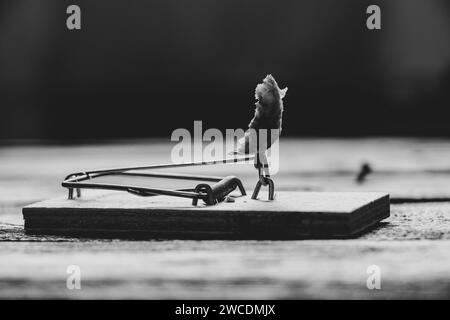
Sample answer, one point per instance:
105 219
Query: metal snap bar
209 194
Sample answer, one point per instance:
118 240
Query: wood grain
293 215
411 247
327 269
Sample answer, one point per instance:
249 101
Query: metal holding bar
209 194
175 165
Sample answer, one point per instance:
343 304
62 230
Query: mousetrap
212 208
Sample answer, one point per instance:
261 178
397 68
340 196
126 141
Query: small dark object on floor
363 172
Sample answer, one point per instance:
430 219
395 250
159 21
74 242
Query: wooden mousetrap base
292 215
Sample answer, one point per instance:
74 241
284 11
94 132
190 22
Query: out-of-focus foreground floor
411 248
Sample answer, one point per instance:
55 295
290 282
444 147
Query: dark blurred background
141 68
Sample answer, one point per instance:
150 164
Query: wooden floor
411 248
